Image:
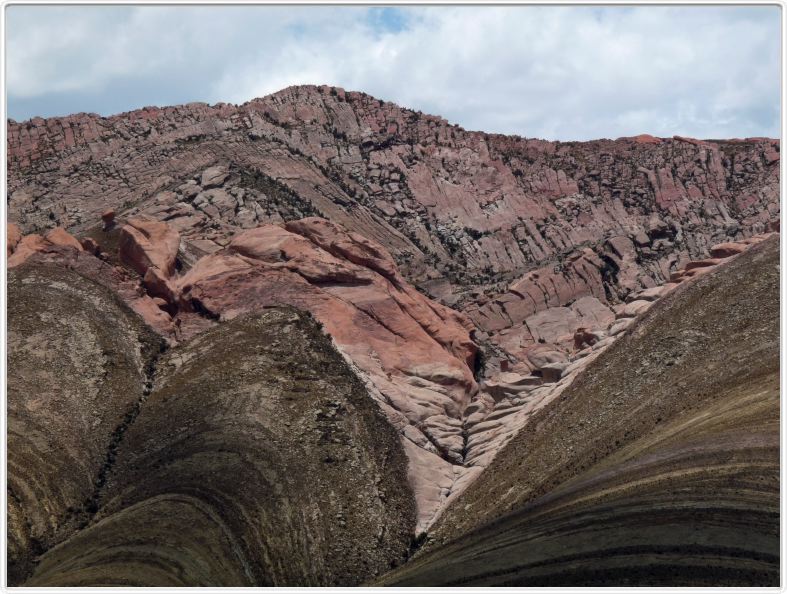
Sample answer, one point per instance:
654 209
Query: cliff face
452 206
466 215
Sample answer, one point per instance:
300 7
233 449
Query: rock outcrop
417 356
458 210
468 279
659 466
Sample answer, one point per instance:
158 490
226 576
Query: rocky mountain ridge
468 279
466 215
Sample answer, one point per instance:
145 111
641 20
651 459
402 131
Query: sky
559 72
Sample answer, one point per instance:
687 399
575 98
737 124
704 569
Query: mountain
658 466
252 455
467 280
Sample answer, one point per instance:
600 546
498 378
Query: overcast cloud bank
568 73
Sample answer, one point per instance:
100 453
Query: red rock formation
465 208
12 237
26 247
530 239
59 236
146 243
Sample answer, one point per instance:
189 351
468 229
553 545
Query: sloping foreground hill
659 466
257 458
78 365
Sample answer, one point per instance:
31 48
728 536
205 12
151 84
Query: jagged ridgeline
467 208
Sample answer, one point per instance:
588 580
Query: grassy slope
659 466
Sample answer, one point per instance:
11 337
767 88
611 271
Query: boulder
145 243
59 236
213 177
633 309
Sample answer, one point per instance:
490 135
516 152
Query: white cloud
555 72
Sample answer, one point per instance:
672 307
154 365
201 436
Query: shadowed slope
660 465
78 365
259 459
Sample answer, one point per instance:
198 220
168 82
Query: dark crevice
609 276
200 309
91 505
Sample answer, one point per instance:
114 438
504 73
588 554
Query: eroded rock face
417 355
339 203
148 244
662 453
463 208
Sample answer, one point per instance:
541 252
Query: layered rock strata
258 459
461 212
659 466
78 366
416 356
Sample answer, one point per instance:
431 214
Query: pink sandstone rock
13 236
505 228
725 250
146 243
59 236
26 247
416 354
